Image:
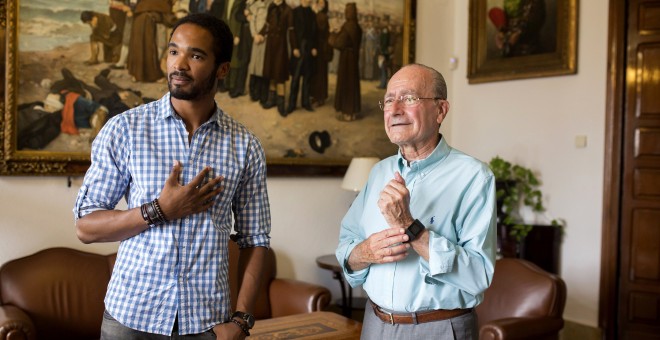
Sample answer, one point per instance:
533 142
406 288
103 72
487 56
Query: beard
198 89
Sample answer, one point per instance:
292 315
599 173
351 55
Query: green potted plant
516 187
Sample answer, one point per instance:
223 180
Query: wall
306 212
533 122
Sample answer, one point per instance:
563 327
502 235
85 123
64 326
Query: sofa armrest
15 324
289 297
521 328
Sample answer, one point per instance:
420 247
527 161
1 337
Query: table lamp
355 178
358 173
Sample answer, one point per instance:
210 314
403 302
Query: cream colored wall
35 213
533 122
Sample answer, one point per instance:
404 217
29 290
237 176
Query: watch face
249 319
416 228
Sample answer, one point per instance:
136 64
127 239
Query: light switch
580 141
453 63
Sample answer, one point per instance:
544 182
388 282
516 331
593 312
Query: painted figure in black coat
303 55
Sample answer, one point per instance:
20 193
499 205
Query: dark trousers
304 71
111 329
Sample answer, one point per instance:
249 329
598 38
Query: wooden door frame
614 116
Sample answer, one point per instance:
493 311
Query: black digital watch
414 230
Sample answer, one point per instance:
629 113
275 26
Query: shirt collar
169 111
440 152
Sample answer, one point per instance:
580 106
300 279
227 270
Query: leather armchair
278 297
59 292
522 302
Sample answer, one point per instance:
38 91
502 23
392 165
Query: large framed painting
70 65
516 39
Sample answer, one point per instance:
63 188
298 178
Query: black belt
417 317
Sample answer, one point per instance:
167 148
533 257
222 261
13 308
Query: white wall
35 213
533 122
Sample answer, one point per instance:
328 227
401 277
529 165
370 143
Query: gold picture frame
537 39
15 162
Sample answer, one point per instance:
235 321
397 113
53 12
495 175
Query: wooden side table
316 325
330 262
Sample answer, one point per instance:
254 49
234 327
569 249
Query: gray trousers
462 327
111 329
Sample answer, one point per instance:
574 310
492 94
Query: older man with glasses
420 236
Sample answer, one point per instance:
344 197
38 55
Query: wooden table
330 262
317 325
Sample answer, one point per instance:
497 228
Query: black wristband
145 215
243 327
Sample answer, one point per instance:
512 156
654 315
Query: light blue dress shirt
179 268
453 195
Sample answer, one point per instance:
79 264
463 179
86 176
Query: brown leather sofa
522 302
58 293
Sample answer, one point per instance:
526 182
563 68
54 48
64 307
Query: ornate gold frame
13 162
20 162
562 61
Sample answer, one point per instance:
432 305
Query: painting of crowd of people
305 75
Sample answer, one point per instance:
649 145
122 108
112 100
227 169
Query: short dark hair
86 16
223 40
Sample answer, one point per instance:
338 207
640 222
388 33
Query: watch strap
243 327
414 230
247 317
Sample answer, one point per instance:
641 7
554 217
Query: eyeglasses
408 100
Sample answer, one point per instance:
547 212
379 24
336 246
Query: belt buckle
391 316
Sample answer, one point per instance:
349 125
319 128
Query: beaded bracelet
159 211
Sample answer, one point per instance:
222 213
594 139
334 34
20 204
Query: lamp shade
358 172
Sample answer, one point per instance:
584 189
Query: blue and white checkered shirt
181 267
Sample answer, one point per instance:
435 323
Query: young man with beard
186 170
